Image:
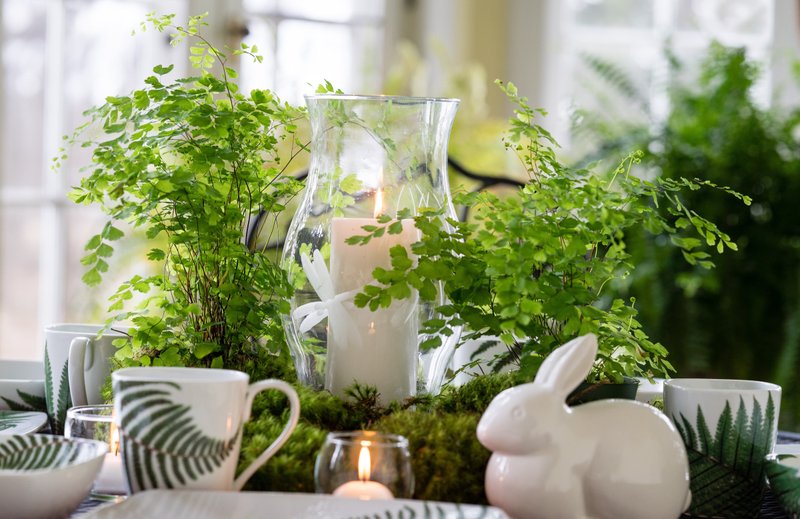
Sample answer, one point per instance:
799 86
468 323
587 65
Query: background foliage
741 319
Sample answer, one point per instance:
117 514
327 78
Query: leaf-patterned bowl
783 472
46 476
22 386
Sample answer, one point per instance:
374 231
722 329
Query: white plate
186 504
21 422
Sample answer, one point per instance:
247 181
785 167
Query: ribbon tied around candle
313 313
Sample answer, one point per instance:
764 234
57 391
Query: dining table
770 507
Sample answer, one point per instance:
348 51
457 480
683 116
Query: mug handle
77 385
294 414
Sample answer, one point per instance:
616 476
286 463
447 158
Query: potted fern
188 161
534 268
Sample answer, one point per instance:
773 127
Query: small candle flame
364 462
113 442
378 203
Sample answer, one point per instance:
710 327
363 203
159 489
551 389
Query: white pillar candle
375 348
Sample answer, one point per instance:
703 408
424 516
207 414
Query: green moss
448 461
292 468
474 396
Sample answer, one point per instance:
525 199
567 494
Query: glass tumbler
95 422
364 465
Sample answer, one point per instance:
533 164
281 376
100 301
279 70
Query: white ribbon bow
313 313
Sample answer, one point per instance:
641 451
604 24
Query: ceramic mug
77 363
728 427
182 427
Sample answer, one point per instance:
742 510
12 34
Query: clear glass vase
370 156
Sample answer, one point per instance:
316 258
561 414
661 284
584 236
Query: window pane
338 11
104 59
725 19
614 13
309 53
19 283
23 81
260 6
67 55
261 33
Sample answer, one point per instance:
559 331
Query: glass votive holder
364 465
95 422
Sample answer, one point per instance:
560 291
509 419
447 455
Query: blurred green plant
741 319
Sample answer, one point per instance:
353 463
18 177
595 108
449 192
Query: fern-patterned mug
728 427
181 428
76 365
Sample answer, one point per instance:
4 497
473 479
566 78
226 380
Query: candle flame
364 462
378 203
113 441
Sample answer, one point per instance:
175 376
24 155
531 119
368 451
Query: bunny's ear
568 365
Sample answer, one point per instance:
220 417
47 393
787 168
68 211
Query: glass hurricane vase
371 156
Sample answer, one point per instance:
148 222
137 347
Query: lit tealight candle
111 479
363 489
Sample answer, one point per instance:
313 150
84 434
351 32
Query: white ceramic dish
21 422
185 504
649 392
22 385
46 476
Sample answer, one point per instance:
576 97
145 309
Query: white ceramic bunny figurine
616 459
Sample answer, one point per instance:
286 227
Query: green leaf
94 242
105 250
156 255
111 233
205 348
351 184
161 70
92 277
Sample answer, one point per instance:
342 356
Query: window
60 57
312 41
631 35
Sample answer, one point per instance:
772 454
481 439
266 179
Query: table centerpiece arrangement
191 160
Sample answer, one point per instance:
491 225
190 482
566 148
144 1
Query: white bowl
46 476
22 385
